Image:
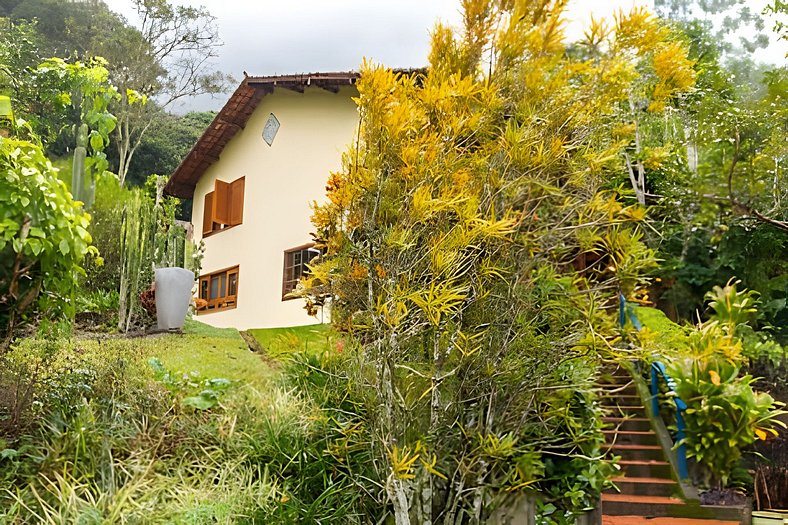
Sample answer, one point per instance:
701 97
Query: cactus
7 122
82 184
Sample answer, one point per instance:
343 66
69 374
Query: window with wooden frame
218 291
295 267
224 206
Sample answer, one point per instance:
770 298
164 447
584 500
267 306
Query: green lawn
281 342
213 353
221 352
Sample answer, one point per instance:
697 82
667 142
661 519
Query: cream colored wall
281 182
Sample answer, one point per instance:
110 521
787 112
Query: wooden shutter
221 202
237 201
207 214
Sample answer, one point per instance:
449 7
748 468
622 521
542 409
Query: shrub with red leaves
148 301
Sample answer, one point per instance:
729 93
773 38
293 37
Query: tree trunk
122 134
399 500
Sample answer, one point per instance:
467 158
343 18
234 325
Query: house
252 177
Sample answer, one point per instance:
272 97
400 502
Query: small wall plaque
270 129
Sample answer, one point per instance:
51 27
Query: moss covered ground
213 352
278 343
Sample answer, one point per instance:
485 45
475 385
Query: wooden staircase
647 488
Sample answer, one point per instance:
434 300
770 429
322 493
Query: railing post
654 391
681 451
658 368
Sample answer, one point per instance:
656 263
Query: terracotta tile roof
233 117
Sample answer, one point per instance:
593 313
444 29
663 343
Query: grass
282 342
107 440
212 353
111 444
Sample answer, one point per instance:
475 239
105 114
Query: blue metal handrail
658 369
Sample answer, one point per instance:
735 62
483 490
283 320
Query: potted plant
172 283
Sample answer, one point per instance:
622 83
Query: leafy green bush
103 271
99 301
42 377
196 392
329 469
564 469
724 414
43 237
736 311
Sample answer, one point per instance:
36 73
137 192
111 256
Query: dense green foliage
720 191
43 238
477 238
724 417
97 433
165 145
94 436
725 413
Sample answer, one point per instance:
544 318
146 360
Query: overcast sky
267 37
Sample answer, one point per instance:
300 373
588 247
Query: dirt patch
722 497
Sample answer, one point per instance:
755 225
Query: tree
19 50
55 22
166 143
476 243
737 19
719 190
166 59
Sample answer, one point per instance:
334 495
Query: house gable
234 116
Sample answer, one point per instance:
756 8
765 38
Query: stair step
635 452
625 410
640 520
627 399
639 437
649 500
632 446
615 380
632 432
646 486
624 479
613 387
663 506
606 394
639 468
647 506
626 424
612 378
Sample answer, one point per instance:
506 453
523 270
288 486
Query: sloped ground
281 342
214 352
108 435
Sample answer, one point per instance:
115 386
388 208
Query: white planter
769 517
173 295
